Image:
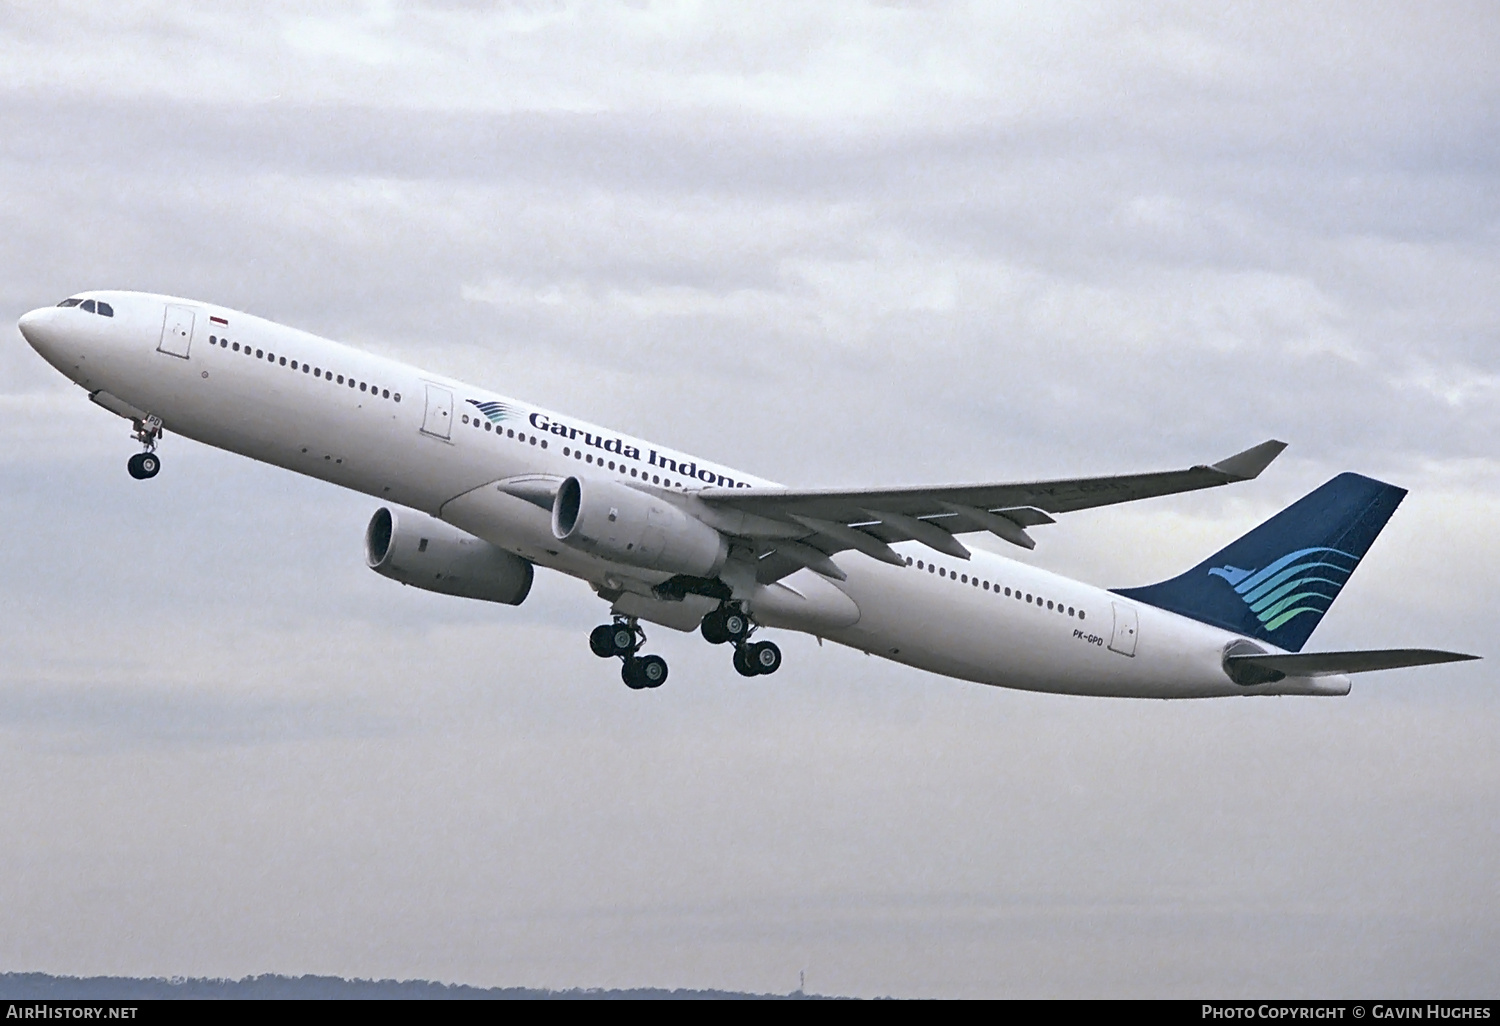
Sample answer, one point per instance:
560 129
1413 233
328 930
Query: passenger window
341 379
385 393
986 585
1070 610
466 418
532 439
965 579
106 309
317 372
283 362
1080 614
260 354
544 442
223 343
655 479
236 347
487 425
212 341
88 306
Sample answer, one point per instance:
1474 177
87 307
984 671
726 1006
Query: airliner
478 489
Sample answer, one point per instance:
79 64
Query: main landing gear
145 465
731 624
624 638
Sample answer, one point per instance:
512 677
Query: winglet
1247 465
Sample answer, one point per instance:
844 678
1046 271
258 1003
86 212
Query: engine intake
620 523
425 553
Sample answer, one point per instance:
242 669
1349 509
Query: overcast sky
828 244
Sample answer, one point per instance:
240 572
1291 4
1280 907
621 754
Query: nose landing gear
145 465
624 638
730 623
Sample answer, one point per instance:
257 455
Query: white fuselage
336 416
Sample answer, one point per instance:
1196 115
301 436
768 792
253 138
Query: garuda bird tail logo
1305 581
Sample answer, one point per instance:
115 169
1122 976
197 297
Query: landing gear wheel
736 625
644 672
653 670
764 656
622 638
602 640
742 664
144 465
630 673
712 628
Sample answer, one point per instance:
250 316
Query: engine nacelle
619 523
425 553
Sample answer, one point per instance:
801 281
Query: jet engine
625 525
425 553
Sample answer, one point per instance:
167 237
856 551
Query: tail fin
1276 582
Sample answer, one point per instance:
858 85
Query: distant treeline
44 987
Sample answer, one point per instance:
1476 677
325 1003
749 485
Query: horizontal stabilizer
1324 664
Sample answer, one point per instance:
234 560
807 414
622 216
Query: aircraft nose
35 324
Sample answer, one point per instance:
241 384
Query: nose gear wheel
144 465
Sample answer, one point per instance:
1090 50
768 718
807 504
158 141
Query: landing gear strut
146 465
730 623
623 638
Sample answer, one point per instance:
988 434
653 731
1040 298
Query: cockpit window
90 306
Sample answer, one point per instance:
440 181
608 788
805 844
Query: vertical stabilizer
1276 582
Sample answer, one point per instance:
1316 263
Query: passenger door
1126 626
177 331
438 419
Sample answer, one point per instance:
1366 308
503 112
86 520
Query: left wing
796 528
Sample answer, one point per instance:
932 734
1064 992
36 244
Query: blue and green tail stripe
1298 562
